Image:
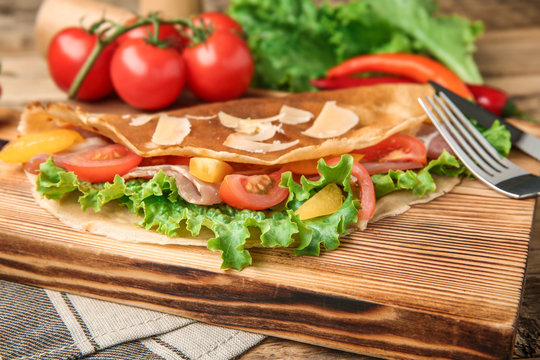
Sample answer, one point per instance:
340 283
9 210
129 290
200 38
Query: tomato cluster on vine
148 61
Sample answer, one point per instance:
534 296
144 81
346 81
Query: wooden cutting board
442 280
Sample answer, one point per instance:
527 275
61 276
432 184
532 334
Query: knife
527 143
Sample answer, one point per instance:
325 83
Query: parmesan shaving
228 120
237 141
264 131
247 125
140 120
293 116
171 130
199 117
332 121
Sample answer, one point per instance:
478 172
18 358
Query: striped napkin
45 324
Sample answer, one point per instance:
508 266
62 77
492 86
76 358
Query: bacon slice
190 188
433 140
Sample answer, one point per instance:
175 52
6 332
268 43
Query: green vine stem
102 42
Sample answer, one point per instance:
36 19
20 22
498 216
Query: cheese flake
236 141
332 121
171 130
261 132
293 116
245 125
229 121
140 120
200 117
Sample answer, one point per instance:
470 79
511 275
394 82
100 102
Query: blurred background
17 16
19 54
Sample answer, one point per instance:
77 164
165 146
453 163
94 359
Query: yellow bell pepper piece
29 145
327 201
209 170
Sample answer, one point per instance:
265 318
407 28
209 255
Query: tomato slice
367 191
101 164
255 192
398 147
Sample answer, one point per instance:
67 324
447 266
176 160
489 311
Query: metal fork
482 160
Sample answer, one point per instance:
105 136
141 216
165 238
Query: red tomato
219 69
67 53
218 21
367 191
102 164
398 147
255 192
167 32
146 76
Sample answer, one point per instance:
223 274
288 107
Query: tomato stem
117 30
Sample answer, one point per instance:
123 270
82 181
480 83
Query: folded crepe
262 131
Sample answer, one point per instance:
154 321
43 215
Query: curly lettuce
160 208
293 41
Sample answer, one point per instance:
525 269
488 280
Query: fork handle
521 187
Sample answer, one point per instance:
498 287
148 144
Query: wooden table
508 57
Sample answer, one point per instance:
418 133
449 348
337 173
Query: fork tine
476 153
473 142
488 149
456 147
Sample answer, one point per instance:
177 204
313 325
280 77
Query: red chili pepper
490 98
348 81
417 67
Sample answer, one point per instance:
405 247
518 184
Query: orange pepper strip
417 67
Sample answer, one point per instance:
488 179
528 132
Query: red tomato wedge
367 191
398 147
102 164
398 152
255 192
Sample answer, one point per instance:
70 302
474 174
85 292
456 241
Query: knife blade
527 143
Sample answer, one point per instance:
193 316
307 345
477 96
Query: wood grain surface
444 279
508 57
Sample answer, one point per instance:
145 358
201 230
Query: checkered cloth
45 324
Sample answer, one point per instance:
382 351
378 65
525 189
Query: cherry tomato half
67 53
146 76
367 191
398 147
102 164
255 192
219 69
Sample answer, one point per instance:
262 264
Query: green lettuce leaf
498 136
421 182
293 41
160 208
323 230
449 39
